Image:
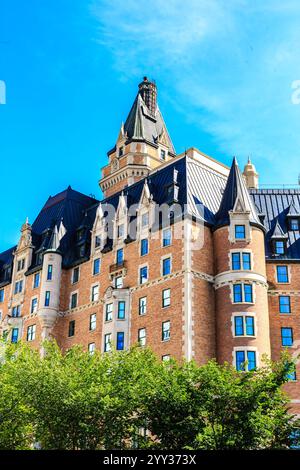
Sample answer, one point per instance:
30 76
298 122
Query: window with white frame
241 260
93 321
244 325
143 274
107 342
242 293
145 220
166 237
16 311
121 231
165 357
95 293
166 330
142 305
142 336
18 287
166 298
34 305
118 282
31 333
92 348
245 360
109 312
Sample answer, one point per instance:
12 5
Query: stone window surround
244 314
162 236
238 218
162 298
241 251
245 349
242 282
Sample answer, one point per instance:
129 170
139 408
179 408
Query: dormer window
294 224
279 247
80 235
240 232
121 231
21 264
145 219
121 151
97 241
162 154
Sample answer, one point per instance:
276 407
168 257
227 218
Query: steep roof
235 190
274 205
278 233
142 125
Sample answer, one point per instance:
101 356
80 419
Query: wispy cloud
229 64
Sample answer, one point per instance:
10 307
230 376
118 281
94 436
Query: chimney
148 92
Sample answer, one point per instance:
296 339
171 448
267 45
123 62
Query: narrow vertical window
236 261
166 298
142 305
166 330
143 275
14 335
166 266
120 256
287 337
109 312
71 328
240 232
282 274
47 298
121 310
144 246
49 272
284 304
120 341
142 336
107 342
93 321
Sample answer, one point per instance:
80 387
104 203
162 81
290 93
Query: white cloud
230 65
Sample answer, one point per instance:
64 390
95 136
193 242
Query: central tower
143 143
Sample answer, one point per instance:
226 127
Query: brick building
183 254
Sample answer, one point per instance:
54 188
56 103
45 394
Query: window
1 295
282 274
167 237
34 305
21 264
162 154
96 266
166 297
166 266
49 272
121 231
121 151
246 261
95 293
166 330
120 256
75 275
107 342
18 287
143 274
243 325
144 247
291 376
294 224
121 310
97 241
236 261
145 219
16 311
287 337
119 282
279 247
93 321
74 298
71 328
31 333
120 341
245 360
80 235
142 336
165 358
36 280
142 305
47 298
284 304
14 335
91 348
109 312
242 293
240 232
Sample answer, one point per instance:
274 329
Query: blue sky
224 71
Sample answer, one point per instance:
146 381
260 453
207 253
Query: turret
49 302
240 278
250 175
143 143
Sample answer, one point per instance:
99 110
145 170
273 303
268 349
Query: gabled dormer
237 209
278 240
143 143
145 212
99 231
293 218
121 221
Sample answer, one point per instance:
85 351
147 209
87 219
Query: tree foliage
81 401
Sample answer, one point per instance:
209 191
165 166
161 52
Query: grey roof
235 188
142 125
278 233
274 205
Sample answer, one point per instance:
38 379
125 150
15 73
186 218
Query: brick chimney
148 92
